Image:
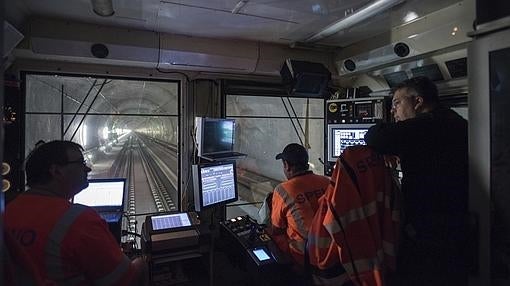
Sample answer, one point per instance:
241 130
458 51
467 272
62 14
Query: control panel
347 121
254 239
357 110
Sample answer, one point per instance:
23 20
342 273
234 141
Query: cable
159 57
291 121
126 232
258 58
297 120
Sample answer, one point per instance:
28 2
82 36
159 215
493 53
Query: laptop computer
223 155
106 196
215 138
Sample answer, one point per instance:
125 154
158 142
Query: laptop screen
102 193
218 135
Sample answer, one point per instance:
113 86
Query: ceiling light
410 16
355 18
239 6
103 8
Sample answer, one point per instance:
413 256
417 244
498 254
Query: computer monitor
341 136
214 184
103 194
214 135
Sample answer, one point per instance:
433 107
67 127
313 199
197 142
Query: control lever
253 232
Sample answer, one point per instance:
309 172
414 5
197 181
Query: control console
254 239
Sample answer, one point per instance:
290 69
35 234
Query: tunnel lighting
105 133
84 135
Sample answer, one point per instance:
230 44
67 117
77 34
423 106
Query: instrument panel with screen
170 221
341 136
214 184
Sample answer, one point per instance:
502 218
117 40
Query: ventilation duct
79 42
425 37
375 58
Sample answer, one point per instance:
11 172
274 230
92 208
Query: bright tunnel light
105 133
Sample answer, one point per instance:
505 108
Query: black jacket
433 149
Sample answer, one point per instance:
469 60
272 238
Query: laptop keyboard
111 217
226 155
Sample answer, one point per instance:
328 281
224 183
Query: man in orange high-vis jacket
295 202
68 244
18 268
354 234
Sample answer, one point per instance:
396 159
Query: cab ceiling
275 21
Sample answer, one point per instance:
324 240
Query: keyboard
111 217
223 155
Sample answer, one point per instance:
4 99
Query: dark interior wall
206 98
12 136
491 10
2 202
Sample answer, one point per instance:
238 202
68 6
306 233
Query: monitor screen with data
341 136
214 184
170 221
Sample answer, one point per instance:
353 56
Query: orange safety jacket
68 243
294 205
357 224
17 266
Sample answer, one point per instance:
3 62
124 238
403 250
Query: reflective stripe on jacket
55 263
18 268
357 224
294 205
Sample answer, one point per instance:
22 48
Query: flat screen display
341 136
261 254
218 135
218 183
102 193
170 221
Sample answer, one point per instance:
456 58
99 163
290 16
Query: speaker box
13 154
305 78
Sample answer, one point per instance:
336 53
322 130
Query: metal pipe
359 16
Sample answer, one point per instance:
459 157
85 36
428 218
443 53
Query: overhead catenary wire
88 109
291 121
